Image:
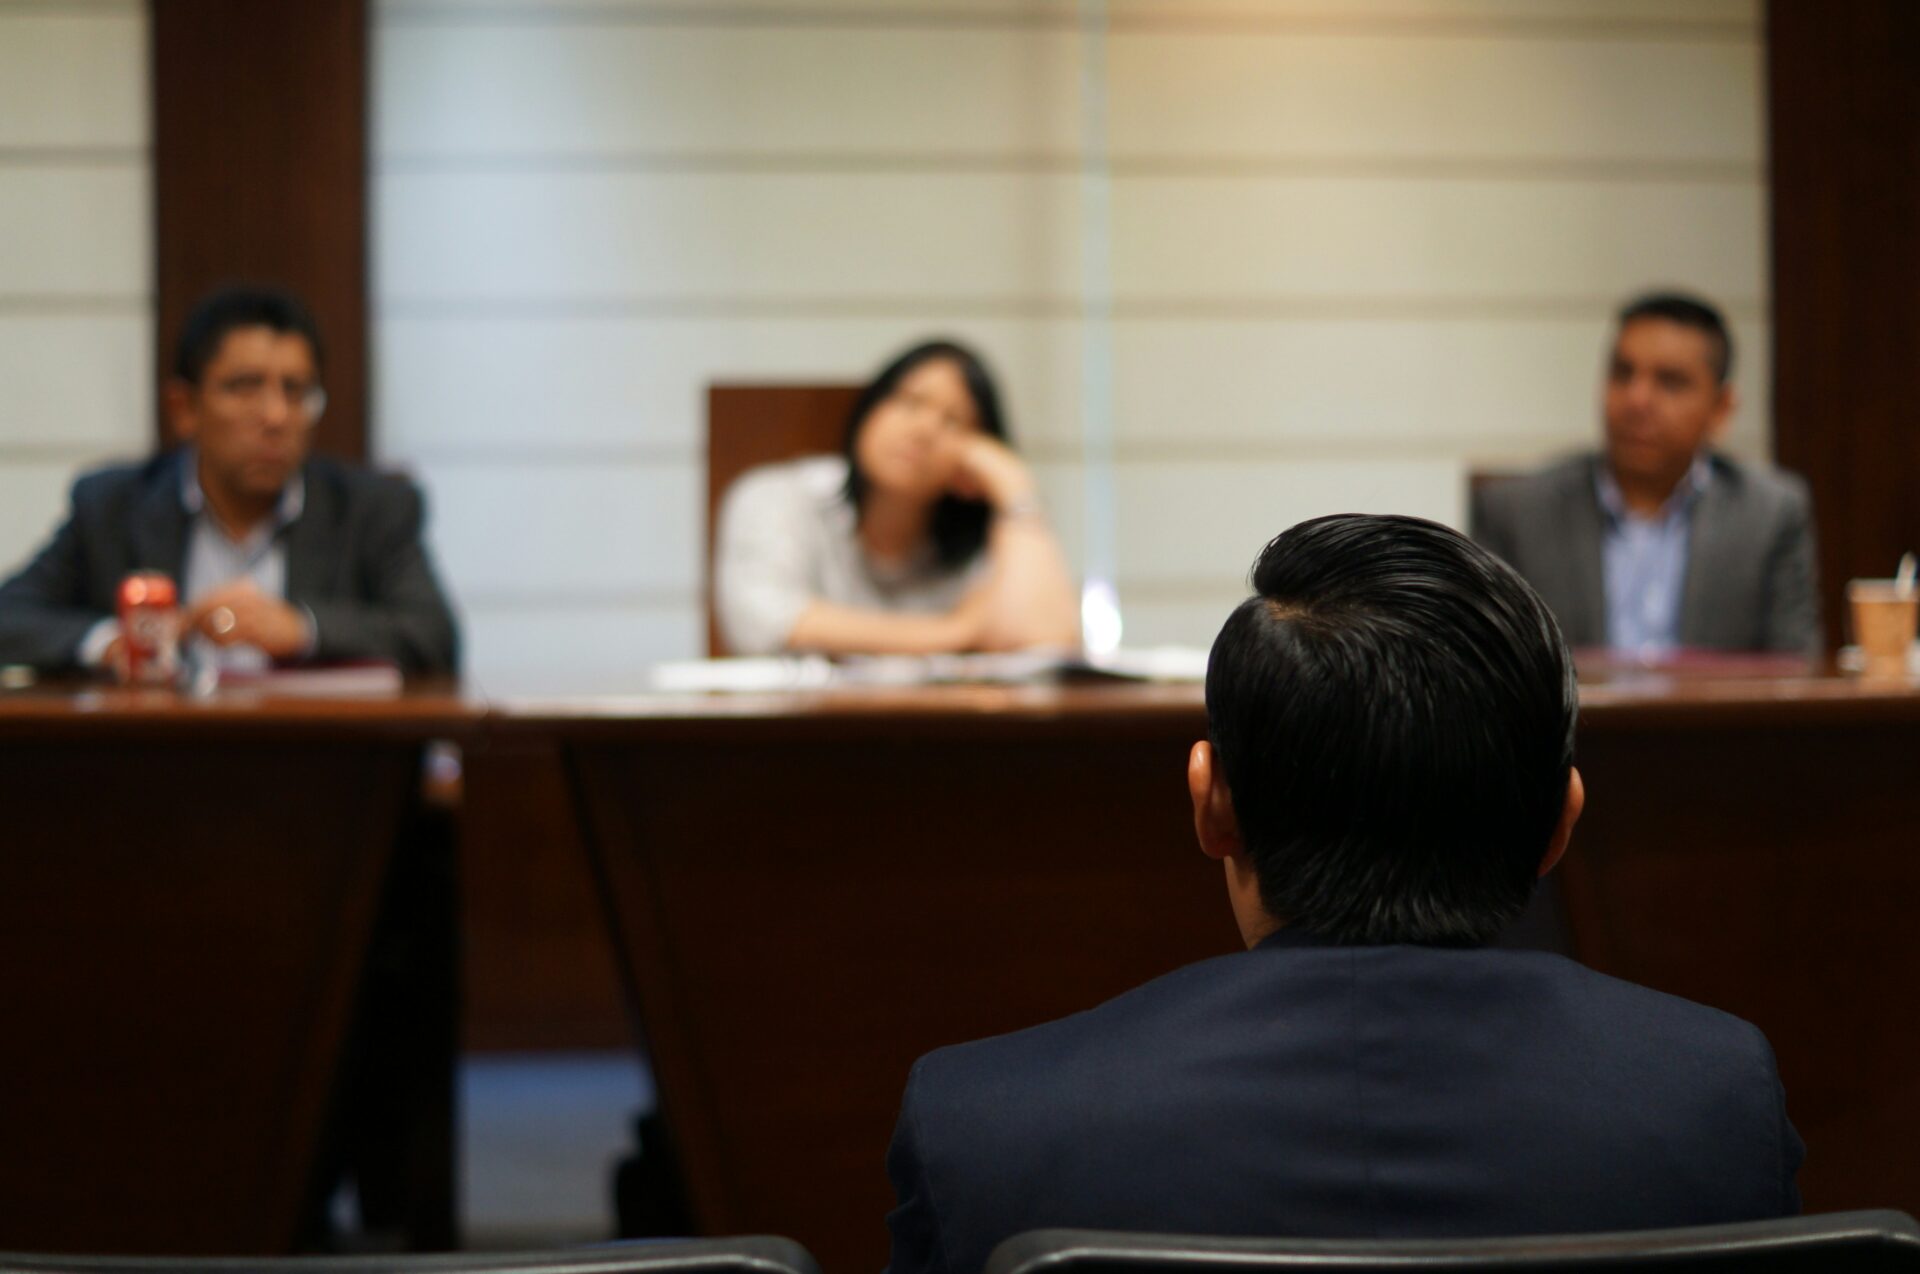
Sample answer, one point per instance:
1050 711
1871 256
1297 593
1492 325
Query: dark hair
959 527
230 308
1393 713
1687 311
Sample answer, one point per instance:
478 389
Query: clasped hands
240 614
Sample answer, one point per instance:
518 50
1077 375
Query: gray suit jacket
1750 572
354 560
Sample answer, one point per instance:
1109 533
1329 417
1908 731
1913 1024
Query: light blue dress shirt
1644 563
215 559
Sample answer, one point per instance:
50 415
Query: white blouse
787 538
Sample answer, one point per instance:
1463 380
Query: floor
539 1136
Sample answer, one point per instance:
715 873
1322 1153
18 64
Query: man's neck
238 513
1646 495
1250 913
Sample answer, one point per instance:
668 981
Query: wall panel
75 231
1414 101
560 530
1358 251
824 240
32 497
1496 391
633 387
73 77
80 384
541 96
572 648
1594 18
1499 391
1566 246
75 273
1186 523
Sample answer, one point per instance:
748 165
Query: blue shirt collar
293 496
1699 473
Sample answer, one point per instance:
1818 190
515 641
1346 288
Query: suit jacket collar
312 542
1586 581
1291 936
1713 537
159 525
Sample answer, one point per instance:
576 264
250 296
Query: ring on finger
222 621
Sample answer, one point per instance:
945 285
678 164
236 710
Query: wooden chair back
752 425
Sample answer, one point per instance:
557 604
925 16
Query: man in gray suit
279 555
1657 543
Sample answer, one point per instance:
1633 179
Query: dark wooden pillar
1843 88
260 172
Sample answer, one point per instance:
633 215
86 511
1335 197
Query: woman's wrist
1012 491
1025 508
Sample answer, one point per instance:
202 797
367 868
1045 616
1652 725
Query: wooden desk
811 890
185 900
1750 844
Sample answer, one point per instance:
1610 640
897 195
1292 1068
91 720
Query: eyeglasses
306 401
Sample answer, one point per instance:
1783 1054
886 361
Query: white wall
1359 247
76 362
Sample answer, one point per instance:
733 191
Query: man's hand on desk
241 613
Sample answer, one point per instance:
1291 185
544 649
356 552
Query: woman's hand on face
986 469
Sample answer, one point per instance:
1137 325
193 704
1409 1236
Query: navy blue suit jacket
1306 1089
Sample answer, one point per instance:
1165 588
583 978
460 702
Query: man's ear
1723 411
1569 815
1214 822
183 420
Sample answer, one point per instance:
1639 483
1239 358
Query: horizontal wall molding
72 8
1149 592
1428 446
74 157
828 163
1183 19
535 454
541 599
1355 308
58 453
1182 592
32 304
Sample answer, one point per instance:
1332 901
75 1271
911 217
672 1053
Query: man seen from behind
1388 771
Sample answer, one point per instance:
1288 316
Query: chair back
752 425
1479 480
1834 1243
759 1254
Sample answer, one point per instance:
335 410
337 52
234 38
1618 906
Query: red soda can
149 627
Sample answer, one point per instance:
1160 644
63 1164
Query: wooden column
260 172
1843 88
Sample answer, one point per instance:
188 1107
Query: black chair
752 1255
1834 1243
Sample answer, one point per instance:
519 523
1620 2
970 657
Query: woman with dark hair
925 535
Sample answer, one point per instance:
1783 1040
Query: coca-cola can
149 627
